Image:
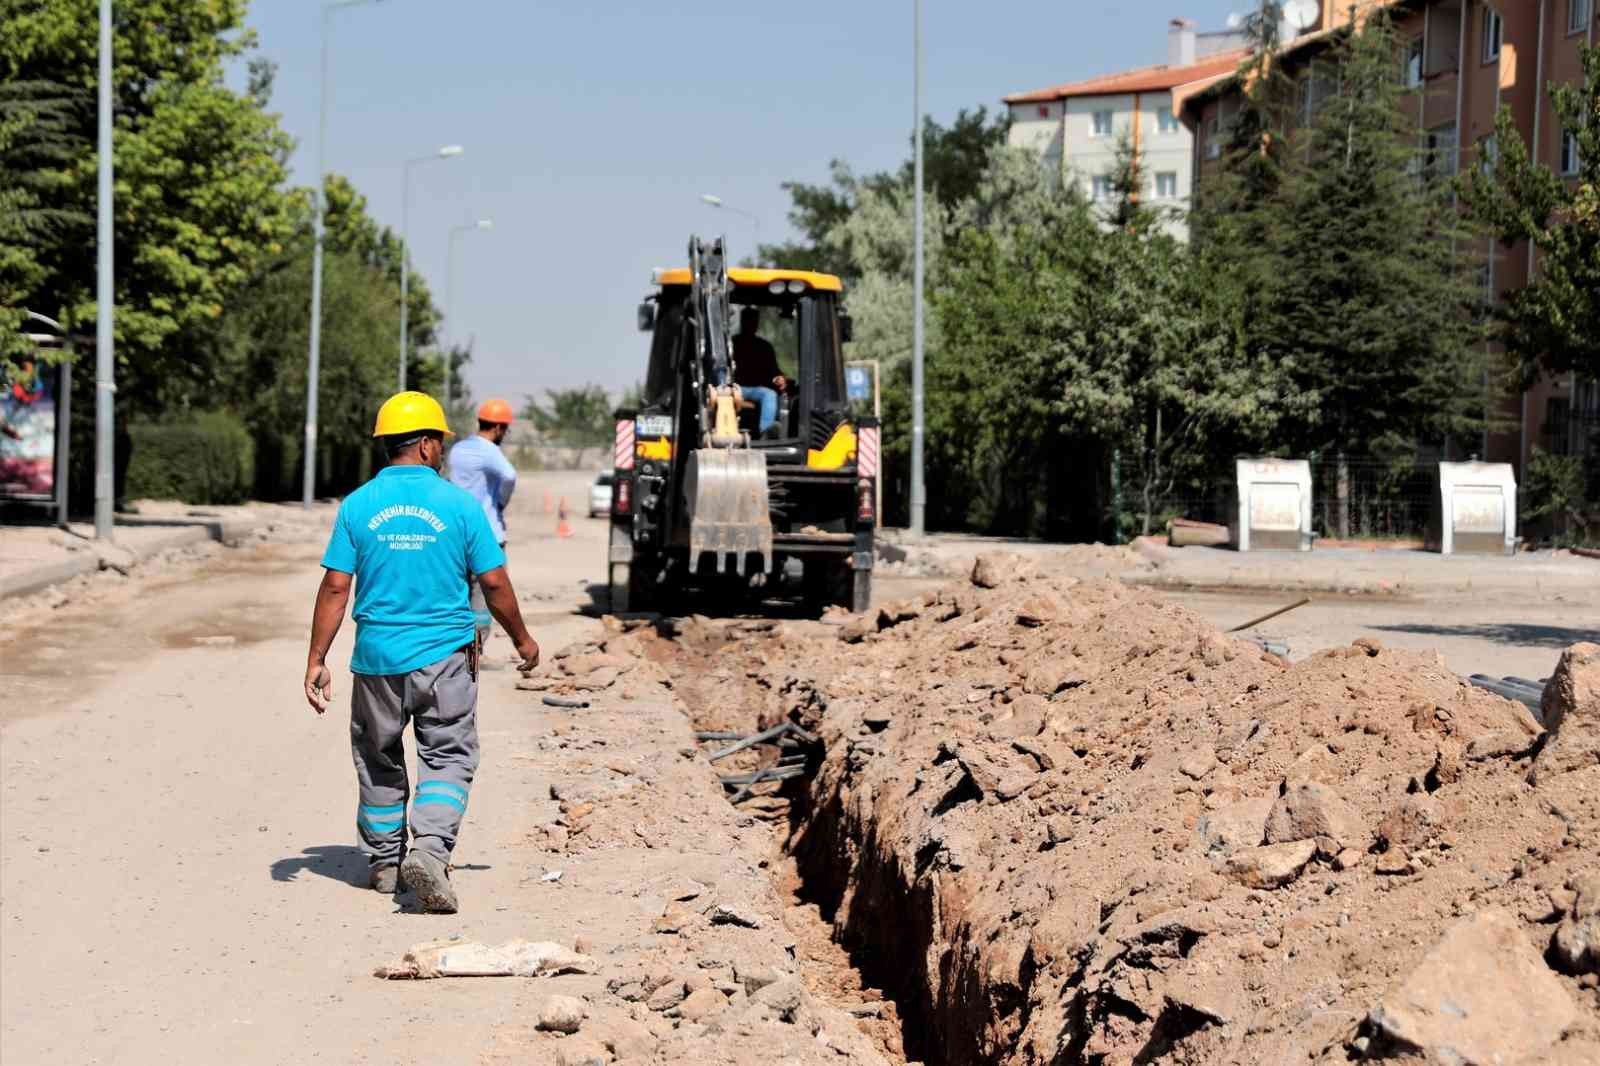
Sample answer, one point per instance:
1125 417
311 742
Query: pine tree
1371 304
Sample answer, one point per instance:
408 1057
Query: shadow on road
1526 634
337 862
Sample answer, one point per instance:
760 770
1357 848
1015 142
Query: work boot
386 879
427 876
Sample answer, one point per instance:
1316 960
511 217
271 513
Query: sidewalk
1358 572
36 557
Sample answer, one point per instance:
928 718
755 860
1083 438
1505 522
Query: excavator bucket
726 492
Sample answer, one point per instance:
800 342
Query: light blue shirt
479 466
412 540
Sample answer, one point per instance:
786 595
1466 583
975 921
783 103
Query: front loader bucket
726 490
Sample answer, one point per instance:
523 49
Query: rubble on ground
1073 822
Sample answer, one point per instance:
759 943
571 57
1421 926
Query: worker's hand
319 686
528 652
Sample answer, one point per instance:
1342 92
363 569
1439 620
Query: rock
1310 809
1413 822
674 919
993 569
1482 995
1500 743
1271 866
756 978
580 1051
1576 944
1348 859
561 1014
627 1039
701 1004
1038 610
1052 675
1578 1052
1198 764
1571 709
1238 825
783 998
728 914
668 995
858 628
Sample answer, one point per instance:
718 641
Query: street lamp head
713 201
449 150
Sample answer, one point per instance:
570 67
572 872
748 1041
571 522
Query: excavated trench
1058 824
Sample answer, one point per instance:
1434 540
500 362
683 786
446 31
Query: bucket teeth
727 498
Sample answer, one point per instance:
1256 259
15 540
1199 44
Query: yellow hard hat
410 412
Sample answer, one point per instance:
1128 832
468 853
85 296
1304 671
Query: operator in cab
756 368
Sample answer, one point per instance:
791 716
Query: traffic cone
549 503
563 527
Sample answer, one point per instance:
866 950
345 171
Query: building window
1491 154
1439 152
1166 121
1578 15
1569 154
1411 65
1167 185
1491 35
1315 89
1044 110
1103 188
1102 124
1213 130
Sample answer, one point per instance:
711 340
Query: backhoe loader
754 479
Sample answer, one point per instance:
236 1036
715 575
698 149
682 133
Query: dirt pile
1071 822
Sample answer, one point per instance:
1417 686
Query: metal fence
1380 500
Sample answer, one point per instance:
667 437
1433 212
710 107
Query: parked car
600 495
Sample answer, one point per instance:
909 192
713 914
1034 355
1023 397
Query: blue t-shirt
478 465
411 539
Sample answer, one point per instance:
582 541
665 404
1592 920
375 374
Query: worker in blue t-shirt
479 466
409 541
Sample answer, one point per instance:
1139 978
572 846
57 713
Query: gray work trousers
441 703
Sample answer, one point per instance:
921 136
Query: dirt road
179 880
177 856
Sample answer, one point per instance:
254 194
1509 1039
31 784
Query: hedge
205 458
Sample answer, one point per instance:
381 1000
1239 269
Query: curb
226 533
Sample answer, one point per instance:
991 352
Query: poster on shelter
28 433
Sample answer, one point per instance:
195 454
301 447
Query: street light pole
450 293
449 151
918 496
319 203
716 201
105 297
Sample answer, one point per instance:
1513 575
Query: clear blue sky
592 127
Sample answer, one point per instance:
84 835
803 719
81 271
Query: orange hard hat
496 410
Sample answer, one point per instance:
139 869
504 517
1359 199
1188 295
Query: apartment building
1461 60
1077 127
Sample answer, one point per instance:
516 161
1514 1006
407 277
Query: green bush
206 458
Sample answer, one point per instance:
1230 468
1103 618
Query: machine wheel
621 588
859 583
832 582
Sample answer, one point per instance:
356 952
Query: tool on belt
472 651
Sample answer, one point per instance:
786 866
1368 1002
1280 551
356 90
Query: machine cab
787 334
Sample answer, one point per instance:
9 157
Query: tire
621 580
859 583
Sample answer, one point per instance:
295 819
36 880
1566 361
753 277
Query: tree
1552 325
954 159
575 418
38 136
1372 305
200 203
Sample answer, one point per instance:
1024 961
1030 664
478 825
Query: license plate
654 426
